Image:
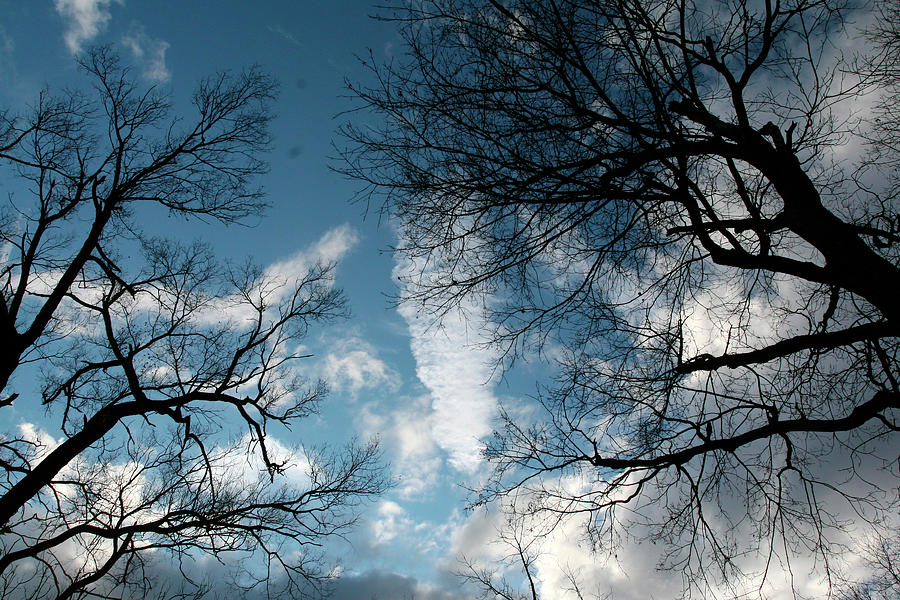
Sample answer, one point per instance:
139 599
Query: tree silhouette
883 580
148 348
681 204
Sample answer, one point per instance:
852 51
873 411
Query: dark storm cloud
378 585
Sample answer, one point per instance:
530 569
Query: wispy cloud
85 20
149 52
453 364
391 526
336 242
7 67
352 364
407 434
390 521
285 34
276 280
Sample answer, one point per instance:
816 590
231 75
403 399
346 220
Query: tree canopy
690 209
162 371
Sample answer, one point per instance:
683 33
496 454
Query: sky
429 394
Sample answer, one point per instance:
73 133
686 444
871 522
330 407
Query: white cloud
149 52
391 521
125 489
457 374
562 559
243 462
472 537
626 566
41 442
85 20
332 246
353 365
407 433
278 279
392 527
455 366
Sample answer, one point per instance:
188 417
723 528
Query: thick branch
871 409
94 429
815 341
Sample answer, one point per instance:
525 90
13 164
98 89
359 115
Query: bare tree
883 580
148 349
518 551
681 204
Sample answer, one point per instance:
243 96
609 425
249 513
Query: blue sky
427 394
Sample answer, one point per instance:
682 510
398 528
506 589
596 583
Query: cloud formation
406 430
149 52
85 20
276 282
386 586
329 249
453 363
635 563
8 73
352 365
